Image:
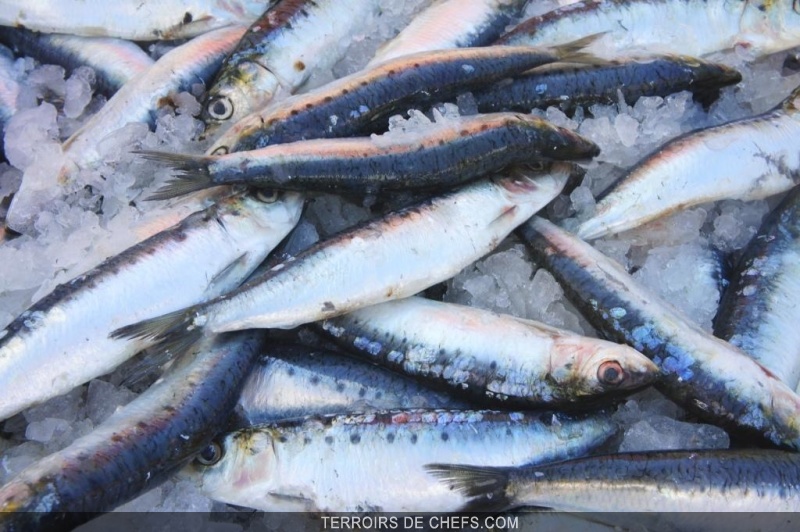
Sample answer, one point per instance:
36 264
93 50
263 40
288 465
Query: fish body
389 258
374 462
9 90
656 481
281 50
290 382
62 340
138 447
704 374
350 105
759 312
691 27
482 355
148 20
441 157
746 159
571 86
452 24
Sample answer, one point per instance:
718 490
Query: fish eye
210 455
610 373
536 165
268 195
220 108
222 150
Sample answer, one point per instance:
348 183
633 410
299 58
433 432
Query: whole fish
374 462
62 340
353 104
290 42
138 447
141 20
571 86
691 27
115 61
759 312
443 156
704 374
655 481
293 381
449 24
746 159
389 258
482 355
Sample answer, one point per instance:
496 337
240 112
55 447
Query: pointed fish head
554 142
526 179
263 210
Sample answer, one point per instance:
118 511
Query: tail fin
574 51
486 486
175 332
191 173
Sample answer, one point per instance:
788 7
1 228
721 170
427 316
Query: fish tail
176 329
486 486
574 51
191 173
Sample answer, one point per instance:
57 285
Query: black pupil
611 374
209 454
218 108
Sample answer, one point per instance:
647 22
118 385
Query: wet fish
443 156
389 258
62 340
9 90
349 105
656 481
571 86
279 53
691 27
141 20
759 312
293 381
115 61
374 462
746 159
138 447
706 375
482 355
452 24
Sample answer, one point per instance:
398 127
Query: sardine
293 381
374 462
350 105
393 257
482 355
706 375
746 159
759 312
571 86
280 51
452 24
691 27
443 156
656 481
138 447
62 340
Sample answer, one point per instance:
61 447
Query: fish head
237 92
768 26
709 76
264 209
555 143
526 179
595 367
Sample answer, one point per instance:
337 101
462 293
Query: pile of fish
184 187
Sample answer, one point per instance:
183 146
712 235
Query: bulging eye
267 195
610 373
222 150
220 108
210 455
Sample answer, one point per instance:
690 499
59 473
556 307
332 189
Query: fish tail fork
175 332
191 173
487 487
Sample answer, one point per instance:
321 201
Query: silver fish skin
9 90
293 381
483 355
139 446
452 24
389 258
440 157
62 340
759 312
746 159
289 43
690 27
115 61
176 70
374 462
147 20
655 481
708 376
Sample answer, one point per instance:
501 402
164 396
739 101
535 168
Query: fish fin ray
486 486
161 328
224 276
191 173
574 51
